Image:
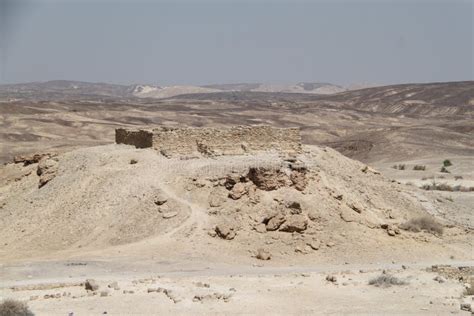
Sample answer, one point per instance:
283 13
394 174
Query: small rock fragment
263 254
91 285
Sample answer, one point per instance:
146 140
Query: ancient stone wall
236 140
138 138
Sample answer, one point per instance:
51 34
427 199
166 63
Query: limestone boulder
294 223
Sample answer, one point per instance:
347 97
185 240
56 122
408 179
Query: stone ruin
208 141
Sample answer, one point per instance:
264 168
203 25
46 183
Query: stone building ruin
208 141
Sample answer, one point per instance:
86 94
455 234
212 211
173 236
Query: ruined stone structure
236 140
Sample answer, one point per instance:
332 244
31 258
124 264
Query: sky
203 42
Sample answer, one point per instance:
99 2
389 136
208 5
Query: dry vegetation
419 167
10 307
386 280
446 187
425 223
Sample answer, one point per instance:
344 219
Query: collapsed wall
236 140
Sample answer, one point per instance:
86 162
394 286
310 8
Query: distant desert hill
445 98
63 89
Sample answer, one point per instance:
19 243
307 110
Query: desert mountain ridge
57 88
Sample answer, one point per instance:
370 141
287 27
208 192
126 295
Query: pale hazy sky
201 42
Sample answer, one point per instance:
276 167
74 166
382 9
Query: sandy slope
98 218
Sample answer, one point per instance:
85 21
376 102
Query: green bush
419 167
447 163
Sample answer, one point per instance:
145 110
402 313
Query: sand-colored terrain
262 233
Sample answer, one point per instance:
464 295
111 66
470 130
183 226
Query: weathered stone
349 215
215 199
260 228
237 191
46 170
263 254
294 223
298 178
114 285
235 140
294 206
275 222
314 244
31 159
169 215
225 231
91 285
268 179
160 198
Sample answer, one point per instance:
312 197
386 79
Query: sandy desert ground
173 236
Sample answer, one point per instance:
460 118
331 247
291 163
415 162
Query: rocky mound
269 205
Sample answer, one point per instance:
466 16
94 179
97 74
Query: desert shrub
446 187
426 223
10 307
458 177
444 170
447 163
450 199
419 167
386 280
399 167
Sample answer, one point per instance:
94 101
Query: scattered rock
214 296
268 179
133 161
113 285
294 223
200 284
225 231
169 215
275 222
260 228
298 178
348 215
439 279
263 254
91 285
215 199
355 207
331 278
31 159
466 307
294 206
314 244
104 293
160 198
238 190
47 168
